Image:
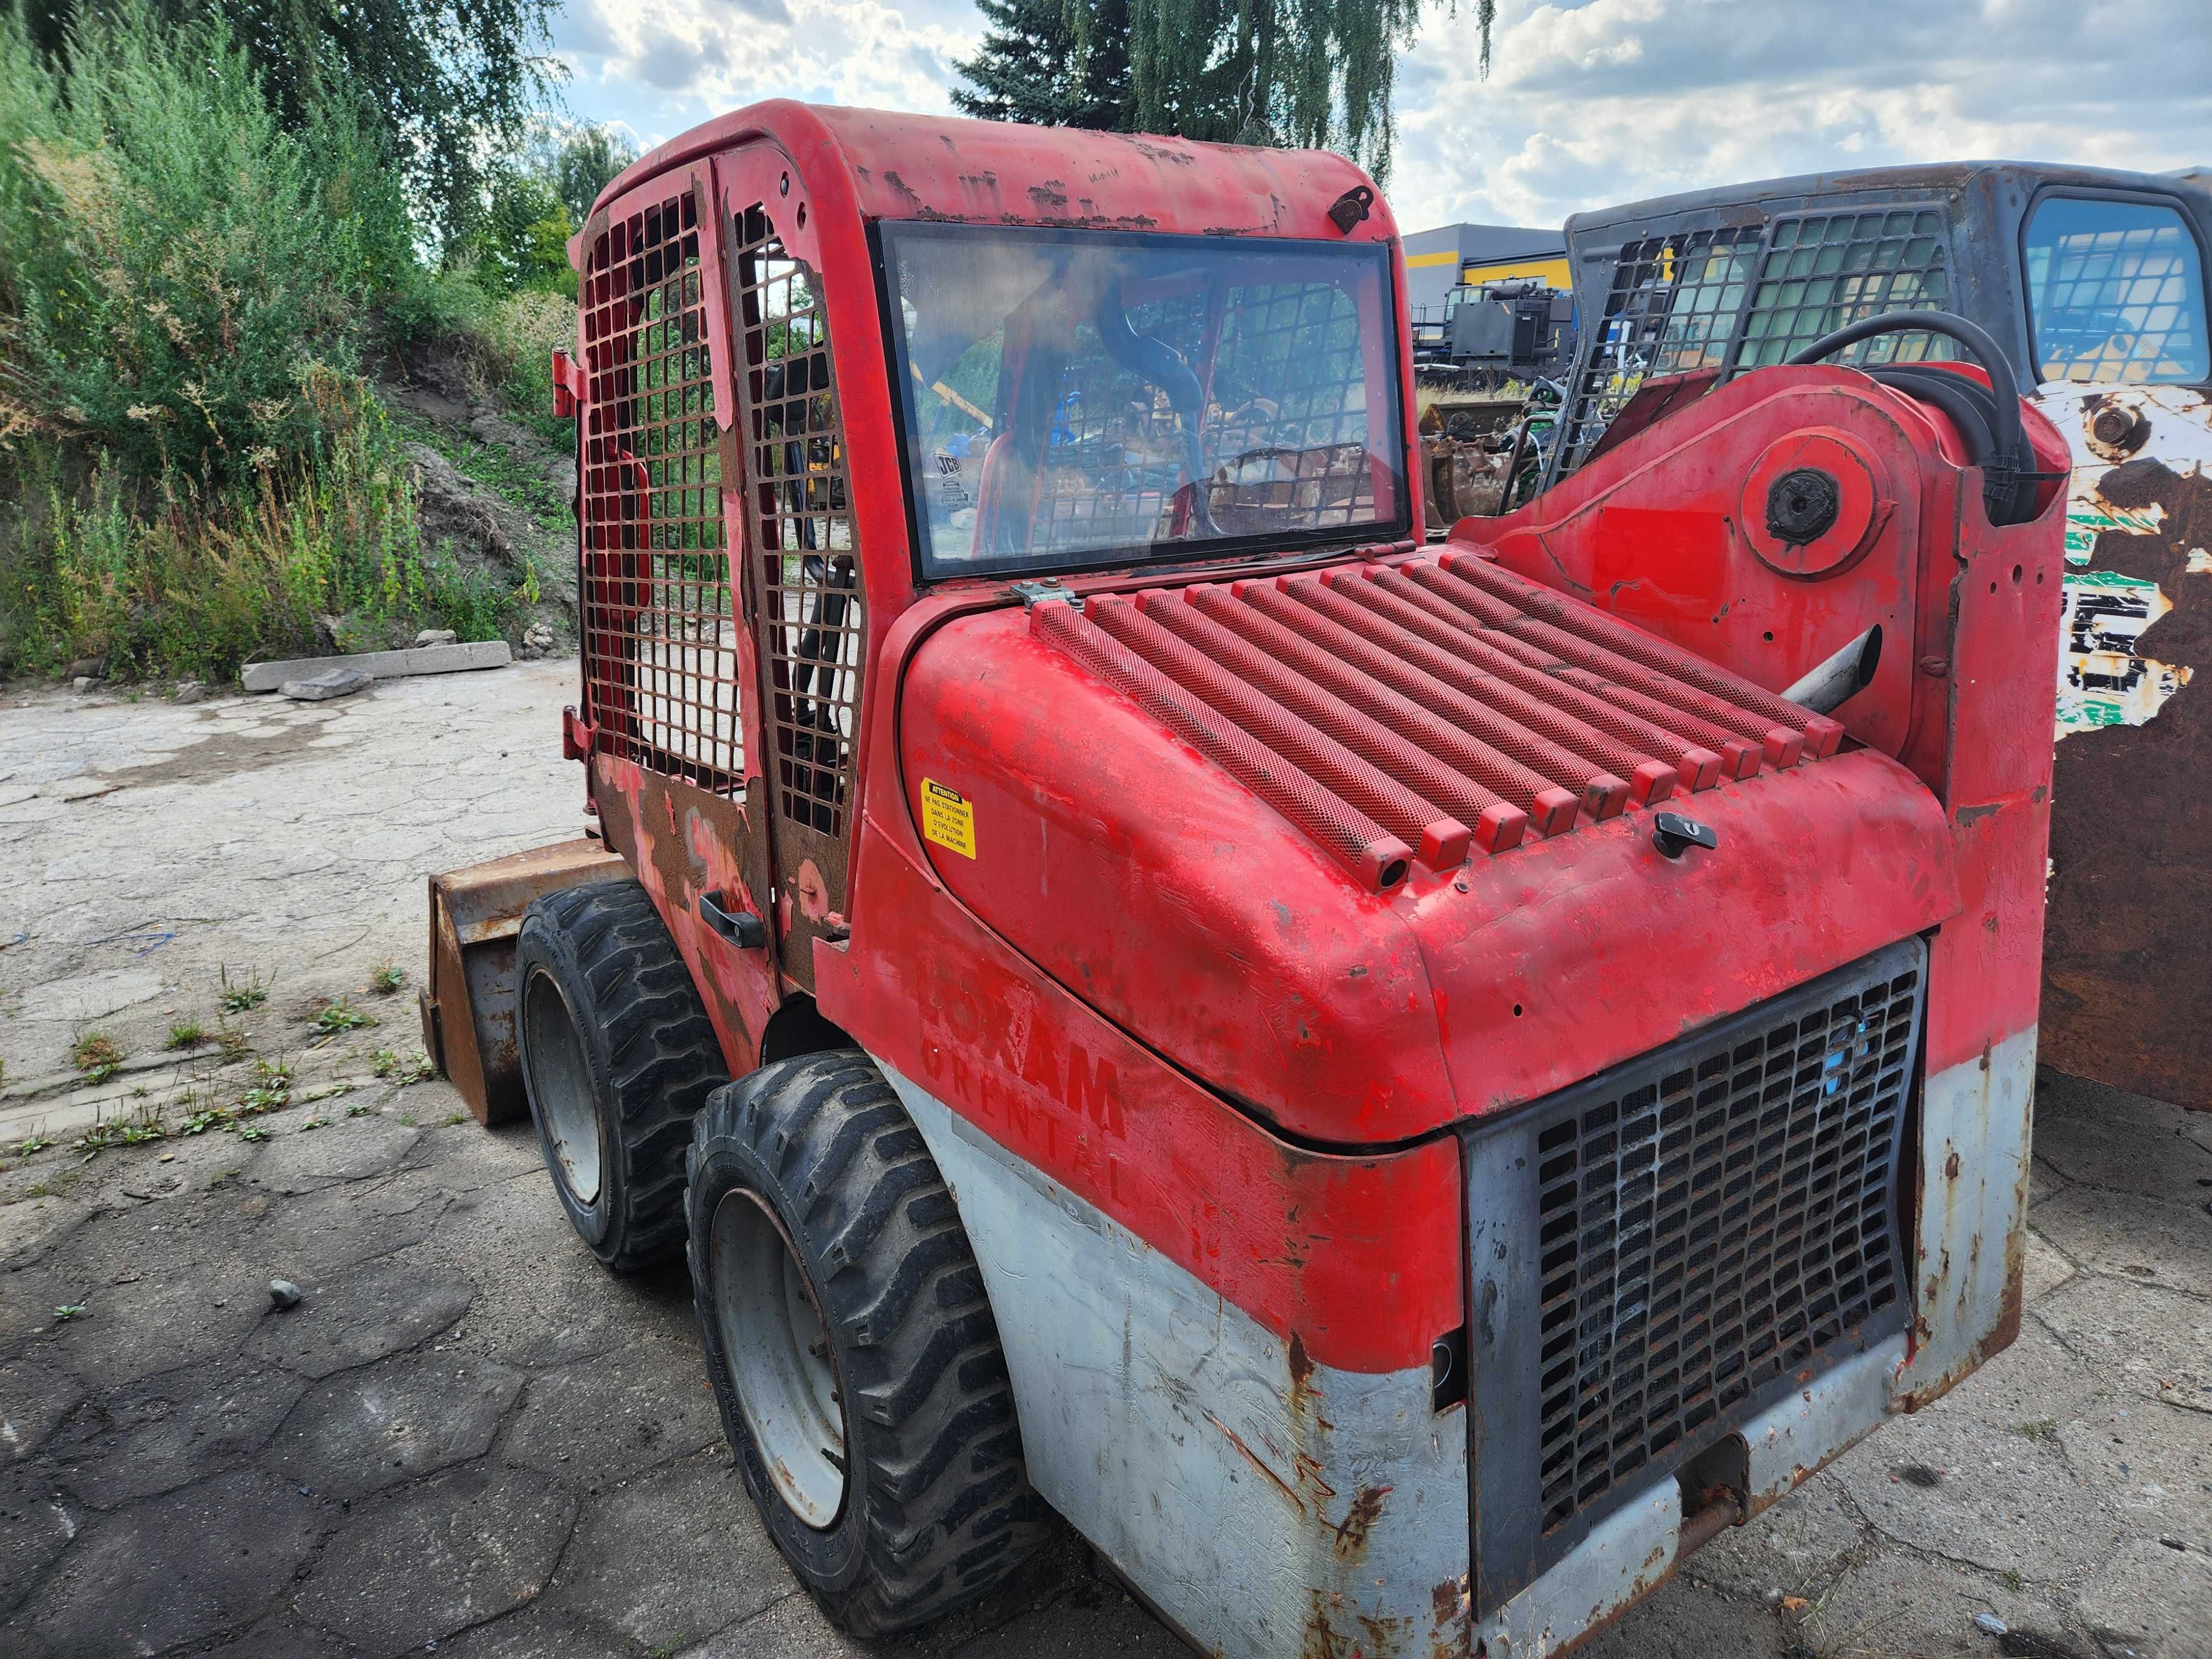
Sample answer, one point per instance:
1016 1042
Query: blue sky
1608 100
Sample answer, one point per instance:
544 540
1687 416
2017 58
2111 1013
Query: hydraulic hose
1991 429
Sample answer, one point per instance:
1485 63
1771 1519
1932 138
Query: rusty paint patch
2123 962
1302 1366
1358 1520
2136 452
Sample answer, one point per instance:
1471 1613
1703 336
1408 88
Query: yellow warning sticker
948 818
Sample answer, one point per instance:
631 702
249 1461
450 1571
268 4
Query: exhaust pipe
1835 681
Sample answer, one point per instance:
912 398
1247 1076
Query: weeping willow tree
1310 73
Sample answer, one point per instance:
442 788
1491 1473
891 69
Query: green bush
180 577
175 267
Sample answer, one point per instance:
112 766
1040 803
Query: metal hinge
1048 591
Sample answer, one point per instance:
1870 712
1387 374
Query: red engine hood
1290 835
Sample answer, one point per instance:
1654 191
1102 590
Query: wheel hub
560 1077
779 1360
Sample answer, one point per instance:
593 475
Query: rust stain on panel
2126 975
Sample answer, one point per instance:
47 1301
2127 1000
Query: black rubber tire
651 1055
937 1505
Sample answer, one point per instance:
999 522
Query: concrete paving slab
1894 1605
37 1394
2044 1269
670 1555
327 686
1945 1484
2126 1234
36 1525
612 1416
2153 1462
210 1558
1795 1548
2144 1337
447 1554
2130 1144
351 1318
282 1636
534 1630
363 1431
2153 1602
168 1430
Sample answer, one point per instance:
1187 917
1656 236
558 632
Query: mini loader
1397 1103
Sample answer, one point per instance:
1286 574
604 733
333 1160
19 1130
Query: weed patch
341 1016
96 1054
243 995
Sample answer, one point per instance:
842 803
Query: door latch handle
741 927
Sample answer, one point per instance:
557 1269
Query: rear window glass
2116 293
1823 273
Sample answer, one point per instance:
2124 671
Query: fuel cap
1671 833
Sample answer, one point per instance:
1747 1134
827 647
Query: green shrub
176 268
181 576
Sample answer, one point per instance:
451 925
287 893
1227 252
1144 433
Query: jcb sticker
948 818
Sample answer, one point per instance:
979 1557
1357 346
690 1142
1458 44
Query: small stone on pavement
283 1293
1990 1625
337 683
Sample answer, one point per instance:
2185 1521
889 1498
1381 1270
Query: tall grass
191 467
174 262
186 577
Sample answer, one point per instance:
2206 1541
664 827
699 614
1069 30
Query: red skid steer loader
1397 1103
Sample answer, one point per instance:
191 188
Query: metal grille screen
1671 308
1702 1224
811 622
1823 271
660 663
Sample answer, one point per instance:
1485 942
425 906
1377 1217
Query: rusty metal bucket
468 1007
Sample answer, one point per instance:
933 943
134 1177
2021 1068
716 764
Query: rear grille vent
1682 1237
1407 711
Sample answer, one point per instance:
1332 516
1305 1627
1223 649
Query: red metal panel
1130 866
1353 1260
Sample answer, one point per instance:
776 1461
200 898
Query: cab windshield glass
1081 397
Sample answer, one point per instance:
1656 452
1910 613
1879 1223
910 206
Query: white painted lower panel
1266 1516
1974 1122
1626 1556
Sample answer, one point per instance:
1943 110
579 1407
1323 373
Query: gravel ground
466 1435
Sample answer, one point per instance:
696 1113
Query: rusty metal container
468 1007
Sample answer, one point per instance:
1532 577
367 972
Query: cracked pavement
465 1434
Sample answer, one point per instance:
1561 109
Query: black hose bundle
1987 417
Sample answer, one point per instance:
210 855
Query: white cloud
1615 100
1590 102
664 65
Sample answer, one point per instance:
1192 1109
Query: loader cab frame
2094 284
1724 280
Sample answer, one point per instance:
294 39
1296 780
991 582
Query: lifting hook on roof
1352 208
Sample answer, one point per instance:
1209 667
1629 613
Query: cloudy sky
1603 102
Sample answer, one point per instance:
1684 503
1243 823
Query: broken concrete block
382 665
337 683
436 636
